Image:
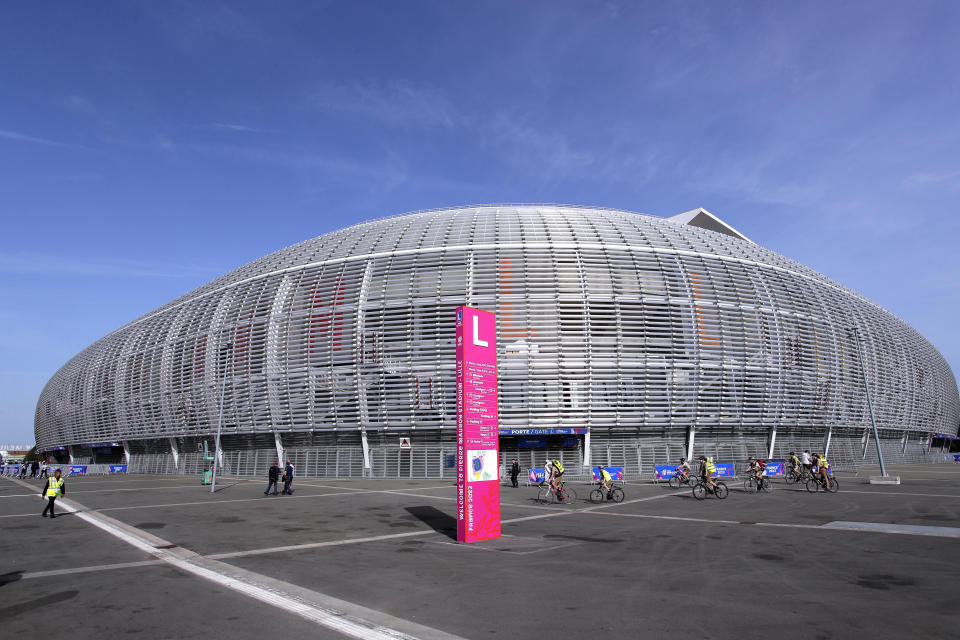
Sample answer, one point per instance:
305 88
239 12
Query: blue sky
147 147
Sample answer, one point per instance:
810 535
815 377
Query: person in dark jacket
273 475
514 472
288 479
53 489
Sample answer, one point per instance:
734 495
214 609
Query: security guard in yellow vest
53 489
822 470
707 469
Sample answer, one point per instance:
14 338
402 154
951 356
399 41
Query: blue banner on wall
78 470
956 457
725 471
544 431
118 468
774 469
615 472
664 472
538 475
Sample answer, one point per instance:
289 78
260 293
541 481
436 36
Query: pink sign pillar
478 445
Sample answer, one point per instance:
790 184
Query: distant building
622 338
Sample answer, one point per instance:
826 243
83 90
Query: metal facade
629 324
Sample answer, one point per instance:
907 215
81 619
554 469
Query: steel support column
278 441
366 453
826 442
175 452
691 432
773 440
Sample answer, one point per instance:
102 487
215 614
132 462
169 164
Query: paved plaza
162 557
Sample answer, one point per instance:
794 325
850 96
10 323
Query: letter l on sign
476 334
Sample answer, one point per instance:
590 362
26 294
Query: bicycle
600 494
676 481
815 484
548 494
702 489
792 477
752 485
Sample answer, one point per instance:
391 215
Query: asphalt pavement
163 557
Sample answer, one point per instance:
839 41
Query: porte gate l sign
478 465
404 443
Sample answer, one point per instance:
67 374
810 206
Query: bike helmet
682 460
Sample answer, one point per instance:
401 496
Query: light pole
216 446
873 421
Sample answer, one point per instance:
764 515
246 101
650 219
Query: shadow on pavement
7 578
435 519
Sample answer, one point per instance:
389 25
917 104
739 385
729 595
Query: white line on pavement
344 617
903 529
900 493
871 527
98 567
318 545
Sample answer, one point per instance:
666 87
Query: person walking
43 470
273 475
53 489
514 473
288 479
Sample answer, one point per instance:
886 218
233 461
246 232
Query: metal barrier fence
89 469
638 460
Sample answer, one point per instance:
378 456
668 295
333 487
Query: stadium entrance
531 446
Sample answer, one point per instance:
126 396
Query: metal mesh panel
631 325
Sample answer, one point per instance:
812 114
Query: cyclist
555 469
606 479
757 467
821 466
806 460
795 463
683 470
707 469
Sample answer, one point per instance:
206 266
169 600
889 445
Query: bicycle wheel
722 491
569 496
596 496
617 494
749 486
834 485
699 491
791 477
813 485
545 495
767 484
674 482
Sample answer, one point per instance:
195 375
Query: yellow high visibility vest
559 467
712 468
54 489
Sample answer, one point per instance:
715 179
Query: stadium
622 338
